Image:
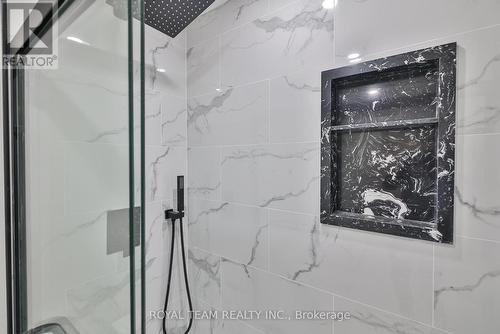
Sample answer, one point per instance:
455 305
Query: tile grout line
268 87
268 240
301 283
253 145
261 16
333 309
433 283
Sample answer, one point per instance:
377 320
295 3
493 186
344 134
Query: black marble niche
387 146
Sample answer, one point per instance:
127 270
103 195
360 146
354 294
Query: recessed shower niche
388 134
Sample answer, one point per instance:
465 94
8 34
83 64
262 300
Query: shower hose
174 216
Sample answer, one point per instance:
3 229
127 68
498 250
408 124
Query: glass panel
82 154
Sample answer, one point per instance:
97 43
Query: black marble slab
398 93
388 132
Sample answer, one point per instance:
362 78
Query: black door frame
13 98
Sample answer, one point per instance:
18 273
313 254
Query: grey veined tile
204 173
367 320
163 164
239 232
477 204
467 287
246 288
233 116
295 101
395 24
281 176
295 37
222 16
478 63
391 273
173 121
203 67
204 274
166 67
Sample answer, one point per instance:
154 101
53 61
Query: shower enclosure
74 138
233 102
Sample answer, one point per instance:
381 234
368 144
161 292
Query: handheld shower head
180 193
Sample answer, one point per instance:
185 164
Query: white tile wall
244 95
467 286
278 43
282 176
368 27
253 289
235 230
389 284
231 116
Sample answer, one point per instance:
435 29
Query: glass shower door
78 212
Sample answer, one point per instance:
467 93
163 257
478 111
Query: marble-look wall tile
101 306
166 66
295 107
284 176
173 121
203 67
298 36
157 230
154 39
238 232
391 278
236 326
395 24
59 249
303 237
478 72
467 287
246 288
156 168
48 192
73 116
477 204
96 177
205 326
204 172
387 272
163 164
204 276
166 91
222 16
156 285
277 4
368 320
233 116
152 121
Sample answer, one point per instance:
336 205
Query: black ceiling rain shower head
172 16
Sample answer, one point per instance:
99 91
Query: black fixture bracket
173 215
